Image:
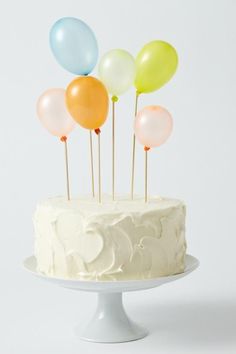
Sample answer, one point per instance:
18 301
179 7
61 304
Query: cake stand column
110 323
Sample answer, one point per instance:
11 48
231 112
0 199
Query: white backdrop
196 314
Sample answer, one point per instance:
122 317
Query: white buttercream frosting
118 240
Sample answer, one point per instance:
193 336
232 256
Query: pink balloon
53 114
153 126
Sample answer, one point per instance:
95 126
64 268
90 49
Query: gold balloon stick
91 162
146 174
64 140
98 131
114 100
133 150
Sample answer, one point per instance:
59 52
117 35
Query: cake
115 240
101 237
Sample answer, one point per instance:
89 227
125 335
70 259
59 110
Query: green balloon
156 63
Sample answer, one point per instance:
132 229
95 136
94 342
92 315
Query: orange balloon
87 101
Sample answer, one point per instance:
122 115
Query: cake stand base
110 323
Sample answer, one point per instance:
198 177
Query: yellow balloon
156 63
87 101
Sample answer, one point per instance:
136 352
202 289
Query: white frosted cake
121 240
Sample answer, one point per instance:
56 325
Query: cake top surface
89 205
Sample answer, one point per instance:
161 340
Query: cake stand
110 323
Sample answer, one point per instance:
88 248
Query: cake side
113 241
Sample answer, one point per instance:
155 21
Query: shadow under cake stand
110 323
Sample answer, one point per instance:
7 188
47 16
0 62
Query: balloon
87 101
156 63
152 126
53 114
74 45
117 71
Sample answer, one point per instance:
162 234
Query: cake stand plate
110 323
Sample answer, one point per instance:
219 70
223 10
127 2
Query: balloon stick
114 100
64 140
98 131
146 173
91 162
133 150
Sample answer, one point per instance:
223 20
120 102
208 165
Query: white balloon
53 114
117 71
153 126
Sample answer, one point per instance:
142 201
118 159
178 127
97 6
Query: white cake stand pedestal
110 323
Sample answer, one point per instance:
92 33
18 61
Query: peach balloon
87 101
153 126
53 114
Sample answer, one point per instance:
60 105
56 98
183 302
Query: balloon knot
146 148
114 98
97 131
63 139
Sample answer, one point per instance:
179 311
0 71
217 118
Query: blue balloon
74 45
